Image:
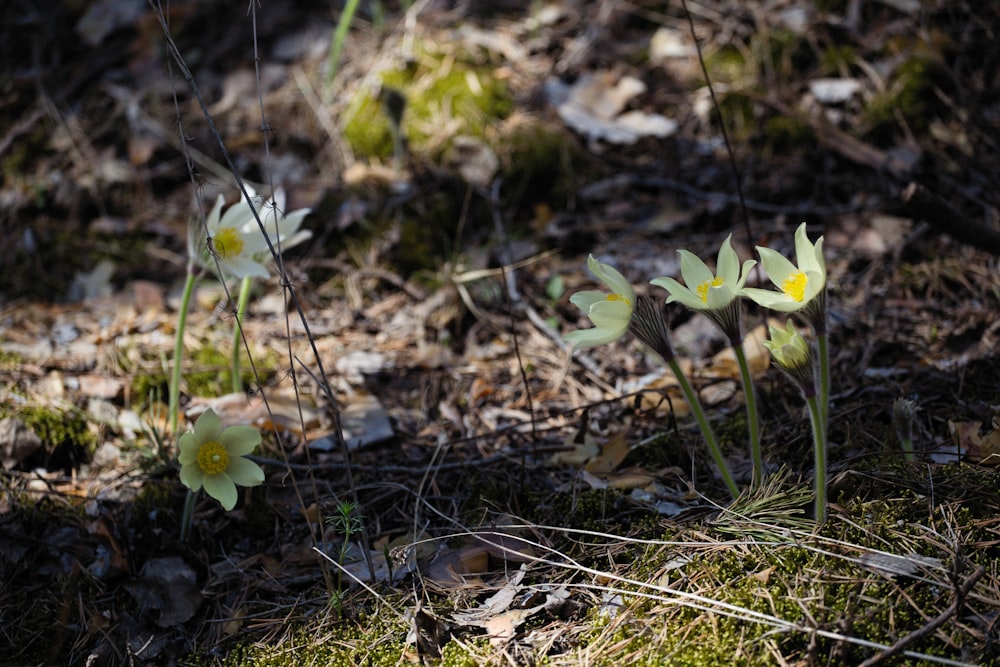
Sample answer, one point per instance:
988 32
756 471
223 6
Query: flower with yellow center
704 290
798 284
215 458
283 230
235 237
610 313
714 294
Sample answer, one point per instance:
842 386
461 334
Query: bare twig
922 204
960 593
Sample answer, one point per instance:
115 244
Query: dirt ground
424 422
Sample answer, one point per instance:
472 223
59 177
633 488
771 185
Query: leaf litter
470 462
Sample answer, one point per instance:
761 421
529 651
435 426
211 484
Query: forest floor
447 482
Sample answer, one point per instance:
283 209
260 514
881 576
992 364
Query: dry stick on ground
918 201
922 204
960 593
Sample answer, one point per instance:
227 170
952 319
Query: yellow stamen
228 243
619 297
213 458
703 288
795 285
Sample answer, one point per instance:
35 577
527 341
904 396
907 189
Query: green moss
442 89
786 135
542 164
737 109
785 53
149 386
209 372
837 59
9 360
910 93
369 640
65 434
725 65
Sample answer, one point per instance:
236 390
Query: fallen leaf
983 449
167 587
578 455
593 106
611 455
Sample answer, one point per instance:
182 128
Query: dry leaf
611 455
984 449
578 455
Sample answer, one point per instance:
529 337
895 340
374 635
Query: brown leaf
611 456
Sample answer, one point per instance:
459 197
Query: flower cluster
801 288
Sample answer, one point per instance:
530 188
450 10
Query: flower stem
175 377
819 456
706 428
188 516
241 309
753 421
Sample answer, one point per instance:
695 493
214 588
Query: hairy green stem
175 377
819 456
706 428
188 516
753 421
241 309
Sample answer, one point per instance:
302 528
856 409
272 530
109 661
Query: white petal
693 270
240 440
591 337
587 298
208 427
222 489
728 263
245 472
192 476
610 276
776 266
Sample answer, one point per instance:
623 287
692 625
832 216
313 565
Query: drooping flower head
801 286
610 313
715 294
792 354
234 237
215 458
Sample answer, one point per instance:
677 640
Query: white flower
610 313
798 285
235 236
705 290
283 230
214 457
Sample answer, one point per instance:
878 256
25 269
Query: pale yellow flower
215 458
792 354
787 346
705 290
610 313
798 285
